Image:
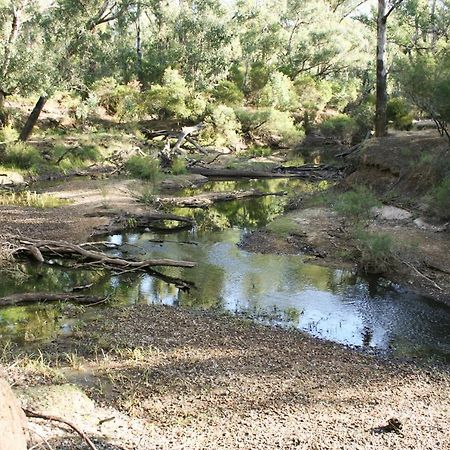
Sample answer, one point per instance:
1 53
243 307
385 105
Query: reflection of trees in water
29 323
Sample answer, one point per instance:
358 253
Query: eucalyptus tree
22 66
70 28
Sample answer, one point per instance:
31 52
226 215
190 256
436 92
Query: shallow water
284 290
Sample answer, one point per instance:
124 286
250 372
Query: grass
283 226
356 204
376 251
178 167
31 199
440 199
144 167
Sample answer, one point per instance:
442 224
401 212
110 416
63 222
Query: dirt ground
177 379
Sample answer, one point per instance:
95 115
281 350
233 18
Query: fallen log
152 221
279 172
44 297
209 198
65 249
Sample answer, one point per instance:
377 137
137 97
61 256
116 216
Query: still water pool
282 290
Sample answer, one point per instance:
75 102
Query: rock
420 223
391 213
65 400
11 179
13 422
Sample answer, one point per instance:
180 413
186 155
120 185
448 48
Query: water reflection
276 289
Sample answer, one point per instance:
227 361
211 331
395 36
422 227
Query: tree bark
2 109
32 119
381 99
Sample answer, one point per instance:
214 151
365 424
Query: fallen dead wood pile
40 249
209 198
43 297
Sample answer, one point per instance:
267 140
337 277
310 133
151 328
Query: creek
279 290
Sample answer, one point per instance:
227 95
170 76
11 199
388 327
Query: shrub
399 113
144 167
313 95
340 126
121 100
356 204
253 152
278 93
178 166
21 155
376 251
440 199
227 93
173 98
221 127
364 116
270 125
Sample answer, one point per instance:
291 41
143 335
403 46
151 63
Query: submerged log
44 297
209 198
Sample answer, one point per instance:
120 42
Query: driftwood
43 297
209 198
167 154
93 257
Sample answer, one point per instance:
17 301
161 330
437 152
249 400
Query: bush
21 155
173 98
399 113
144 167
279 93
122 101
253 152
340 126
227 93
376 251
356 204
440 199
221 127
270 125
364 116
178 166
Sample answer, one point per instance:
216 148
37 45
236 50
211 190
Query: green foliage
120 100
228 93
376 251
21 155
399 113
424 82
313 94
278 93
253 152
144 167
364 116
221 127
440 199
270 125
356 204
178 166
173 98
31 199
340 126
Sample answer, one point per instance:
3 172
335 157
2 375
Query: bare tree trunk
381 99
2 109
32 119
139 68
